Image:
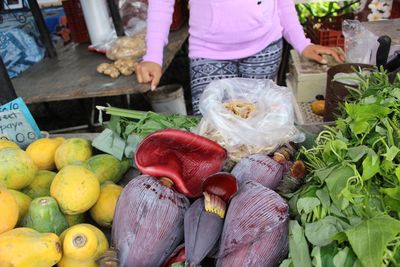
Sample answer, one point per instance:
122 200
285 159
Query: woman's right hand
148 72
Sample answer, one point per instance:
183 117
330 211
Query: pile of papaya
55 197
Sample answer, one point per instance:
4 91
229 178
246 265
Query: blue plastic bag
19 51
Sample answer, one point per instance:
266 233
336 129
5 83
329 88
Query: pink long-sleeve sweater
226 29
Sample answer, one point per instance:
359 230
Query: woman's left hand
315 52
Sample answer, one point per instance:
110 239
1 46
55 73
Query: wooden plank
72 75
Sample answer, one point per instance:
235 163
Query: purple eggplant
202 231
259 168
255 232
148 222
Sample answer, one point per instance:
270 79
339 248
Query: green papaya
107 167
75 219
45 216
40 186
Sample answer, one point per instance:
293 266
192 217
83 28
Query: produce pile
334 203
183 201
348 211
55 196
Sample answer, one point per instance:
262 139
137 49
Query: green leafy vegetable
349 207
298 246
370 238
127 128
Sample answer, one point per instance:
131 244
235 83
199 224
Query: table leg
44 33
7 92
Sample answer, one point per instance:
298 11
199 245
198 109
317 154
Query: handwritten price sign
17 123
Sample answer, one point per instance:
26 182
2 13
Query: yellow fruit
318 107
6 143
103 211
82 246
73 149
76 189
25 247
40 186
17 168
23 202
75 219
43 150
8 210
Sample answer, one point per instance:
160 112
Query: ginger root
126 66
109 70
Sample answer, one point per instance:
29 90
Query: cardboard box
307 77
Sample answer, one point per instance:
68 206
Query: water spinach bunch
347 213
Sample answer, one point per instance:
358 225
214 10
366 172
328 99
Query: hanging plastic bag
248 116
133 14
358 42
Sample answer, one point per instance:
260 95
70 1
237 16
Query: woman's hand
148 72
315 52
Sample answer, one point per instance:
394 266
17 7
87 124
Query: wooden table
72 75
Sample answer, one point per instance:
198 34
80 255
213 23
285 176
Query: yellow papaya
9 210
76 189
25 247
73 149
23 202
42 152
103 211
4 143
82 245
40 186
17 168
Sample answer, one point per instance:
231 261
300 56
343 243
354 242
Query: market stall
300 175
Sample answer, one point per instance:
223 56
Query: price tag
17 123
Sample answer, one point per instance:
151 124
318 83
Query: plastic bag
133 14
128 47
358 43
19 51
264 116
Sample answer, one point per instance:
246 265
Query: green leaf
336 182
323 256
132 143
356 153
392 192
307 204
398 173
387 166
323 195
370 238
380 130
320 233
392 204
344 258
298 248
371 166
391 153
109 142
359 127
395 92
287 263
322 174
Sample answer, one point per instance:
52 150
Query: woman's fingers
315 52
148 72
